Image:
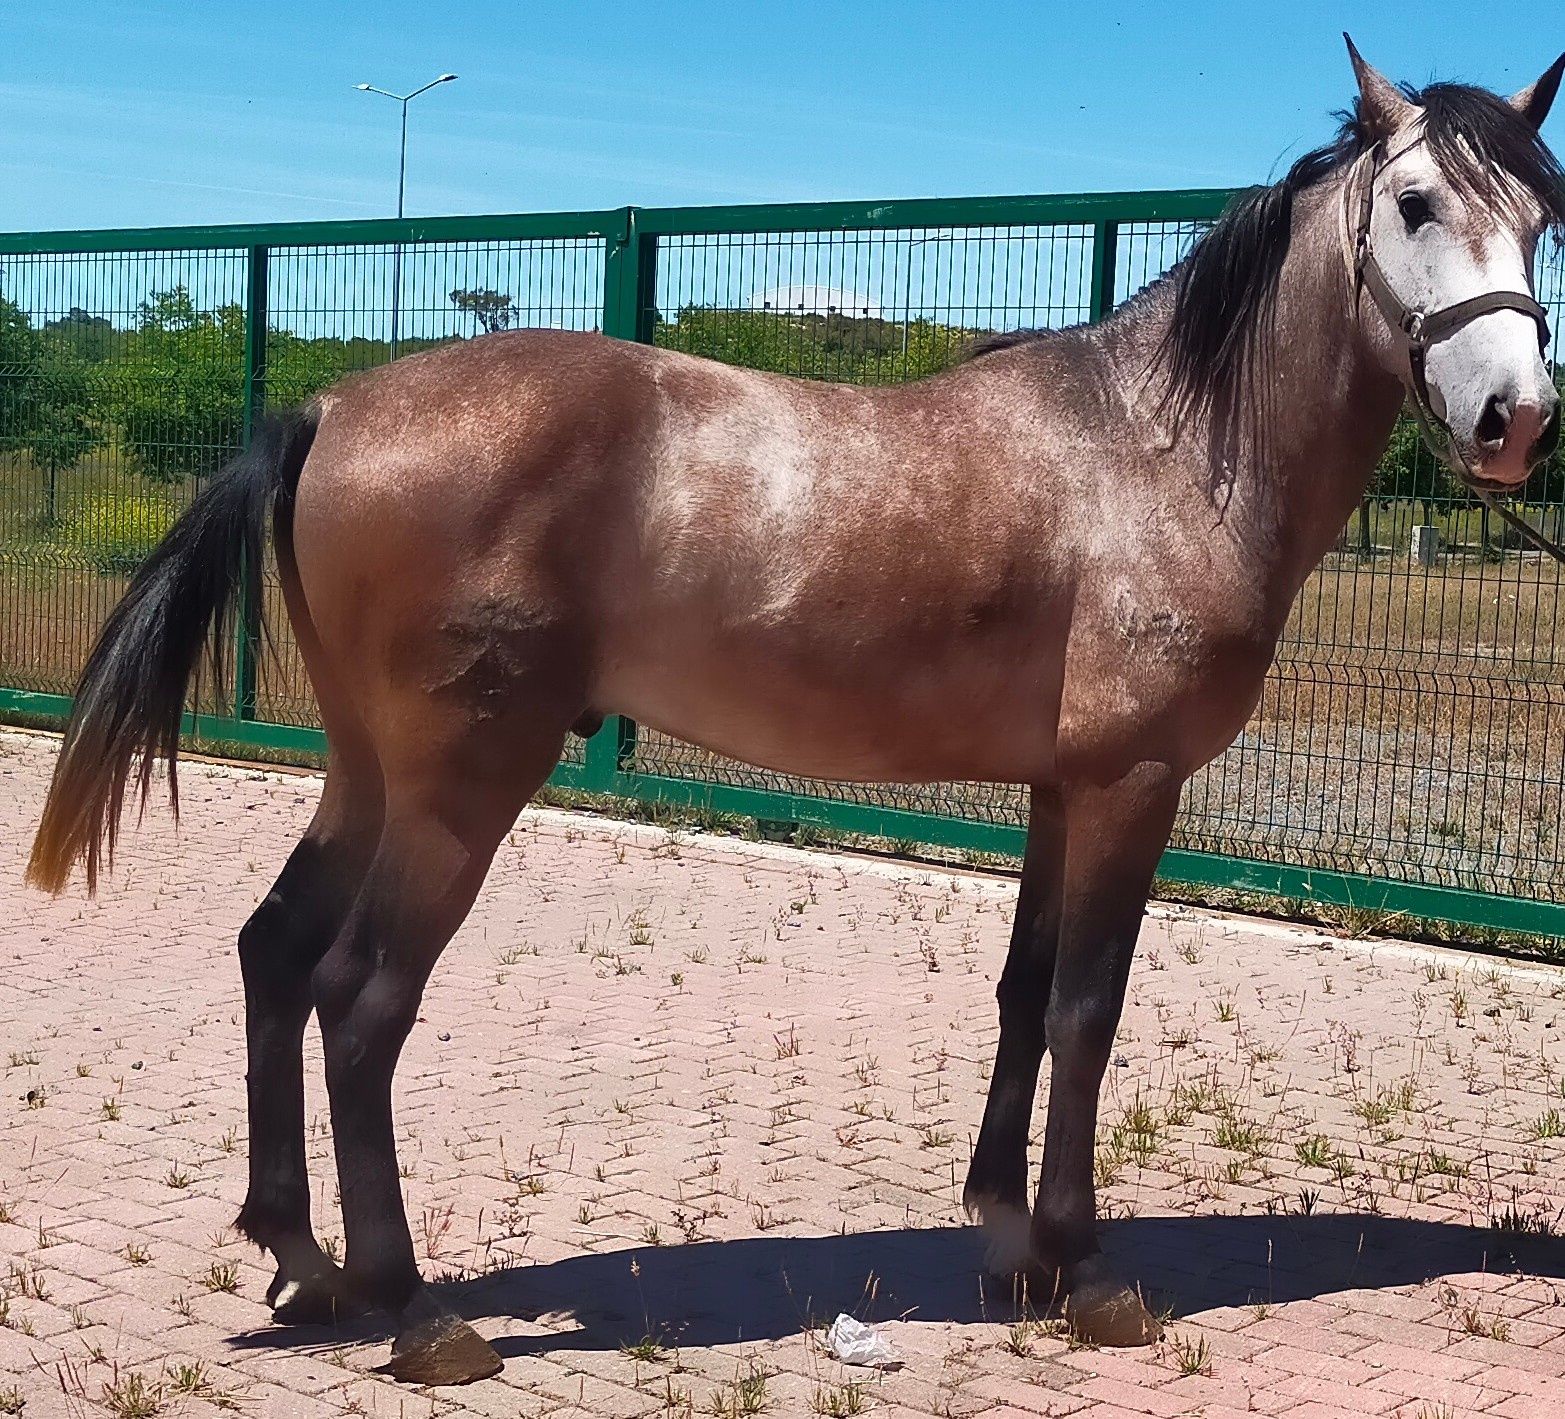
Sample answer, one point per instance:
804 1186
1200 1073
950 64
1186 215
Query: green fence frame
630 237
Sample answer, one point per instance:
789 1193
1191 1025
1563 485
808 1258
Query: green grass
1550 1124
1315 1151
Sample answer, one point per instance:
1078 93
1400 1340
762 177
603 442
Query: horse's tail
131 697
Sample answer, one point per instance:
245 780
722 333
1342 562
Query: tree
180 396
492 309
61 428
46 408
91 337
18 356
1408 470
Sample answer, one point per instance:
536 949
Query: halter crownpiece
1422 328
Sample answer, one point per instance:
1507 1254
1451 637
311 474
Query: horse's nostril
1495 420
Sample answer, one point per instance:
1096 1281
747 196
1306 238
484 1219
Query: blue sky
131 114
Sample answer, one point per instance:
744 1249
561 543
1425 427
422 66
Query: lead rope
1364 270
1521 525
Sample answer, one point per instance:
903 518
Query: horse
1064 563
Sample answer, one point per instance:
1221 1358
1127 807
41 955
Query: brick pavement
706 1094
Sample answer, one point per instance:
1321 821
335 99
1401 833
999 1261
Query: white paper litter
855 1343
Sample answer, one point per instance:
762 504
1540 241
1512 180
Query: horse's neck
1328 408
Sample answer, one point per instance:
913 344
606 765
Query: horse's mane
1225 290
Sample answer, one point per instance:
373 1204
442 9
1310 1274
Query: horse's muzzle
1549 439
1512 437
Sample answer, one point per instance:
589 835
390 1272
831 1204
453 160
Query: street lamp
402 183
907 297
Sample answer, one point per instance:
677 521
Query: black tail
131 696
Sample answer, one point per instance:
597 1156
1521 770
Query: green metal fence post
248 636
629 289
1105 253
630 268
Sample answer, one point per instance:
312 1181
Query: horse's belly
897 724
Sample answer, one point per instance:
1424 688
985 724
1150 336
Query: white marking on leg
1008 1233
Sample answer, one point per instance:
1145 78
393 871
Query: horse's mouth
1480 479
1480 484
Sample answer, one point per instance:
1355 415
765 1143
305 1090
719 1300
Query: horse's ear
1383 107
1535 101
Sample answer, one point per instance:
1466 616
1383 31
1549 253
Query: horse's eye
1414 207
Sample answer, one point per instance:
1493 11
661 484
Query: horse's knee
274 963
262 935
291 929
1081 1034
1023 991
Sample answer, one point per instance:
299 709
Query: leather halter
1422 328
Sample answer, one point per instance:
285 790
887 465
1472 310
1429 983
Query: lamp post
907 295
402 183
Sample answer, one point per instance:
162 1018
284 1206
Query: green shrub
116 532
834 346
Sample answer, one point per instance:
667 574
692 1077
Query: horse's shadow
765 1288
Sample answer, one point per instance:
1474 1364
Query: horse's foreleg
444 821
278 948
996 1191
1115 836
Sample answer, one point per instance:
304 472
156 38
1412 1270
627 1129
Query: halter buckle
1413 326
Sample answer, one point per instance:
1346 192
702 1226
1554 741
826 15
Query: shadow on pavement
766 1288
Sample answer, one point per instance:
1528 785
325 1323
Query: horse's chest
1157 632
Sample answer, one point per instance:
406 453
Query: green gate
1408 754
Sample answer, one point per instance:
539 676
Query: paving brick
779 1135
1441 1365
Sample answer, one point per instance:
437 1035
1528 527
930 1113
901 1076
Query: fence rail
1409 750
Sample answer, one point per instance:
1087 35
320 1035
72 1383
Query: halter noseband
1422 328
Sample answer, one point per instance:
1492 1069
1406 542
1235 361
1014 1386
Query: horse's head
1444 212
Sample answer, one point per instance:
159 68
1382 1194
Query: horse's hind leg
278 949
448 805
996 1192
1114 838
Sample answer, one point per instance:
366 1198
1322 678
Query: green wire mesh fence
1410 736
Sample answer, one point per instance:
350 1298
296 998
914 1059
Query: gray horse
1064 563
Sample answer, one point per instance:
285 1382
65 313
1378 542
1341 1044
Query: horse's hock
673 1099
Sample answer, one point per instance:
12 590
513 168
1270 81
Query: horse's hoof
319 1299
1103 1310
443 1350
